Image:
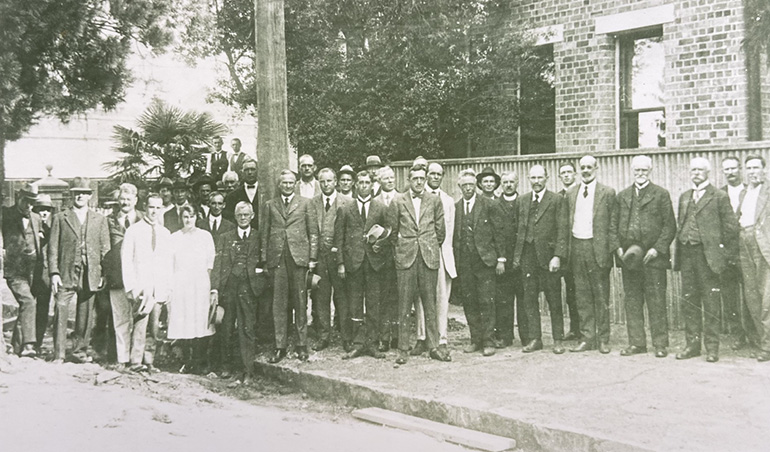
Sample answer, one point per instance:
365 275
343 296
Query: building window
642 84
537 102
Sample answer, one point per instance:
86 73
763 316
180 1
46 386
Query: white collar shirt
583 221
251 190
735 195
307 189
749 206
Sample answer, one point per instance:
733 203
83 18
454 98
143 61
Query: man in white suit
146 258
447 271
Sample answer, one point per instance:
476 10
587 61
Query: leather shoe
582 347
384 346
277 356
347 346
440 355
418 349
558 348
498 343
572 336
471 348
763 356
28 351
691 351
739 343
533 345
375 353
302 354
394 343
403 356
712 358
604 348
661 352
321 345
488 351
355 353
633 350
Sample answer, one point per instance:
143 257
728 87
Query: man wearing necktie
418 230
508 286
289 247
327 205
645 219
541 247
389 301
248 192
591 206
215 222
172 219
480 257
755 254
706 242
237 158
219 161
239 285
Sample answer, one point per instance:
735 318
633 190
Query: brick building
646 74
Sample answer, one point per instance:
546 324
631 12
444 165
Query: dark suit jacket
172 221
236 196
604 210
236 163
226 225
226 245
550 228
509 211
21 259
657 222
113 268
349 231
326 220
219 165
295 225
488 231
717 224
62 256
410 237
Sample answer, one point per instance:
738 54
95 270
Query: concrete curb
361 394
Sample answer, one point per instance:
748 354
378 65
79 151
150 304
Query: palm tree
168 143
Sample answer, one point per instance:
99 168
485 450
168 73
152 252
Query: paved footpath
571 402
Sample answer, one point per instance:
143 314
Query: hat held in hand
633 257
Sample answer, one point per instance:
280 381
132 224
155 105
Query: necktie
328 205
154 238
214 226
416 195
126 223
363 210
696 194
244 236
467 207
537 198
286 201
585 193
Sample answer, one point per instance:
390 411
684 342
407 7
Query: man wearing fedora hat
24 258
488 181
373 165
642 233
79 241
42 286
172 219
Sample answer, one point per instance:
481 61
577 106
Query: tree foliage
168 142
396 78
758 27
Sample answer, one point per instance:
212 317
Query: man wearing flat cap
644 223
23 258
79 241
488 181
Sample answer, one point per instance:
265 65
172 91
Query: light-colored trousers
130 335
443 291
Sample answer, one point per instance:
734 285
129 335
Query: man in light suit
307 185
754 241
248 191
146 267
360 261
389 302
706 242
79 241
447 270
289 247
129 341
541 246
646 220
478 245
591 207
24 256
418 225
327 205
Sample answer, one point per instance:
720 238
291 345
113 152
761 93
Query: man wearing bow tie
289 248
591 206
248 192
646 219
237 158
706 242
418 230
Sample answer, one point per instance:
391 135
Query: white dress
188 306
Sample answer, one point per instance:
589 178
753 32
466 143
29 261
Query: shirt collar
539 194
289 198
591 185
363 200
641 187
472 200
331 197
240 231
701 187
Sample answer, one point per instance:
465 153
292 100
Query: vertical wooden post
272 119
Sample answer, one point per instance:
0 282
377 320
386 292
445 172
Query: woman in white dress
190 301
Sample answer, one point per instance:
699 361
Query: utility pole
272 119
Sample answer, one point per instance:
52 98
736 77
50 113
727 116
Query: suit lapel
761 203
293 205
597 199
645 196
708 194
545 203
36 232
409 205
476 212
71 219
687 200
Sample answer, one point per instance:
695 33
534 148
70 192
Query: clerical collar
510 197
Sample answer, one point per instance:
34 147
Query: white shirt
416 203
699 190
25 222
287 199
639 188
122 217
468 204
246 231
307 189
387 196
749 206
366 200
510 198
583 222
212 219
251 192
81 213
539 195
330 199
145 269
735 195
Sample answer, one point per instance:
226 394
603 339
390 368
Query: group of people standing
229 268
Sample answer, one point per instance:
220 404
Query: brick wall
705 91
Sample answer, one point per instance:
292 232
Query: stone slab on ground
571 402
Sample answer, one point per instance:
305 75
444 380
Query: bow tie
251 186
417 195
